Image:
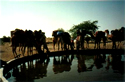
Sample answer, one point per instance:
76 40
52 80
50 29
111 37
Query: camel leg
61 45
58 46
104 42
65 47
119 42
45 46
54 46
77 45
88 44
31 50
99 45
95 45
71 46
114 45
14 51
28 49
82 45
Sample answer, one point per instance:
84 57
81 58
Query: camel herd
116 35
29 39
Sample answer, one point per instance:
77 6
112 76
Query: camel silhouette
116 35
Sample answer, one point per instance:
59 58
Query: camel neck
107 34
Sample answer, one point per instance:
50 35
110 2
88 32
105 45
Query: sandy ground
6 51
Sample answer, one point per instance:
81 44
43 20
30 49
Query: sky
51 15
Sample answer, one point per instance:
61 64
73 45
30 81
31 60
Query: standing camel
40 39
97 37
116 36
57 39
18 39
64 38
29 43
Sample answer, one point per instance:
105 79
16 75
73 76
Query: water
98 67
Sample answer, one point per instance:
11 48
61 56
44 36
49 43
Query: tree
86 25
5 39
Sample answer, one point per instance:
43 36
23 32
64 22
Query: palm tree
86 25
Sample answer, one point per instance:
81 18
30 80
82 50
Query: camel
29 43
40 39
18 39
116 36
27 39
63 38
97 37
57 40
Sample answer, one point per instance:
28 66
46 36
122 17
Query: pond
78 67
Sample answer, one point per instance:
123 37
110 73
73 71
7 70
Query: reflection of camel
64 38
114 60
116 35
28 71
63 64
41 68
98 60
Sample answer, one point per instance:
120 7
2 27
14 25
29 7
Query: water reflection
88 64
81 63
99 59
29 71
116 63
62 63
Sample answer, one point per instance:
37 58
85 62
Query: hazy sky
51 15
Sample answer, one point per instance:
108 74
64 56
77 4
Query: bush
5 39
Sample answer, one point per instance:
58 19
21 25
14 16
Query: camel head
54 33
107 31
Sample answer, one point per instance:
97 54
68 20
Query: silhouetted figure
62 38
116 35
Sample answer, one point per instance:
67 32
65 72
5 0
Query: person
78 32
72 42
59 33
